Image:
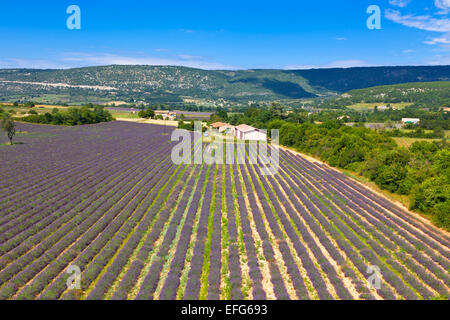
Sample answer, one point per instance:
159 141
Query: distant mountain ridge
171 83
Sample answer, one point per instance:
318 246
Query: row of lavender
118 188
110 201
325 238
413 264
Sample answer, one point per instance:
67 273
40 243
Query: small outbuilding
223 127
227 128
217 125
410 121
167 115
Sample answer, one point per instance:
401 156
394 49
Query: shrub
429 195
146 114
390 177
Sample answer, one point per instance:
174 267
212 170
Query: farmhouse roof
218 125
245 128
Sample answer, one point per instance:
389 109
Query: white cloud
187 30
333 64
188 57
408 51
348 63
399 3
341 39
10 63
109 59
439 61
426 22
80 59
444 5
445 39
301 67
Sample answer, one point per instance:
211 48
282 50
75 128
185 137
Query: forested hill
343 80
168 83
434 94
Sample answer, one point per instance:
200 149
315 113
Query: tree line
71 117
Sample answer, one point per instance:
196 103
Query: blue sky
224 34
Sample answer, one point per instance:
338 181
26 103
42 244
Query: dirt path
169 123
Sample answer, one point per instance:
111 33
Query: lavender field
108 199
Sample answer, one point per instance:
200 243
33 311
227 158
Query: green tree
9 127
432 196
277 110
441 163
150 113
222 114
390 177
442 214
146 114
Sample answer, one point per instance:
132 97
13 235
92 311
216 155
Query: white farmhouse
410 121
245 132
